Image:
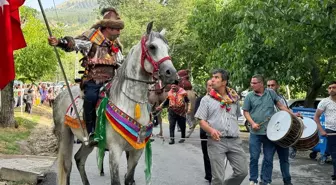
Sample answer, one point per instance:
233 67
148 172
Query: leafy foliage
292 41
38 58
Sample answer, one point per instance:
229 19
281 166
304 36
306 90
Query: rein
142 81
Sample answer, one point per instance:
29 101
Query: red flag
11 38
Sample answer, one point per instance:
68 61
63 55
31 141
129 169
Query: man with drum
283 153
328 107
258 108
218 112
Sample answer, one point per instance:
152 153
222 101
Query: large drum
309 138
284 129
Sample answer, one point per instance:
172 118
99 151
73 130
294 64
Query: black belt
229 137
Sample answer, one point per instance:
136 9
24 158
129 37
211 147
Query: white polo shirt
328 106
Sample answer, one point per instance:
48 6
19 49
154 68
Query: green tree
172 16
293 41
38 58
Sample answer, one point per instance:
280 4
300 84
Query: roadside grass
26 122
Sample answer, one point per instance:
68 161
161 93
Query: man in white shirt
328 107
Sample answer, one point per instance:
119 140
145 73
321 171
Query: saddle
71 117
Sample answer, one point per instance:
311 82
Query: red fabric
185 84
11 38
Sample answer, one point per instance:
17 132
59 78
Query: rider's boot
92 141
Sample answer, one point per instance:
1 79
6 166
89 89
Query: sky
45 3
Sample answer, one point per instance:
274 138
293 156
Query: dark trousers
331 144
156 121
28 107
283 154
207 165
51 102
180 120
91 96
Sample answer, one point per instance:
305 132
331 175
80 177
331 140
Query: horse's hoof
102 174
130 183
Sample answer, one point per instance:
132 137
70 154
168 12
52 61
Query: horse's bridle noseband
145 55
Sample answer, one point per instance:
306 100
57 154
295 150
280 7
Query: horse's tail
65 155
58 116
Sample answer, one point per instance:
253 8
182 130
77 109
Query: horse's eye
152 47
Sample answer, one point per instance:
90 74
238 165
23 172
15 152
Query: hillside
74 16
78 4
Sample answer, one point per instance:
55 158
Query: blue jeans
267 163
283 154
331 144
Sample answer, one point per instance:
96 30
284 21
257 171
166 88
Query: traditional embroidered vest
102 58
176 101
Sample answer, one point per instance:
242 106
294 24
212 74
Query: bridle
145 55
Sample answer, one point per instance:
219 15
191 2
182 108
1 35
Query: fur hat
110 19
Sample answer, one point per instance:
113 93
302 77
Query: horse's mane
120 76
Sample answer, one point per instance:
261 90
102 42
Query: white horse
147 60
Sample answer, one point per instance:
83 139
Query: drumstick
267 119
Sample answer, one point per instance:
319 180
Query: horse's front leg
80 158
115 152
132 162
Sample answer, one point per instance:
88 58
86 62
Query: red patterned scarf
230 97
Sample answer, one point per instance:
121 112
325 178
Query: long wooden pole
65 77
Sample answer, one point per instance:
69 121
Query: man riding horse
102 55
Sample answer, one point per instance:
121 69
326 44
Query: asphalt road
182 164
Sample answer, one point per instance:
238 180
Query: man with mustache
258 108
101 51
178 106
218 114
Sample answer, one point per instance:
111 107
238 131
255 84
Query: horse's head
155 59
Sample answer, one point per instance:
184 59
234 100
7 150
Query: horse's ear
163 32
149 27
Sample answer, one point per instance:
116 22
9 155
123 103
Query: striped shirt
218 118
328 106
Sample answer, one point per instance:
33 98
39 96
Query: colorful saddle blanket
70 118
132 131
